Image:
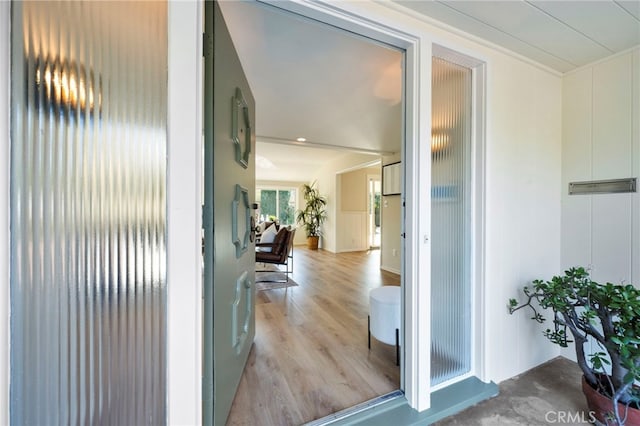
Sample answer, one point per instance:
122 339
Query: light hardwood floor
310 355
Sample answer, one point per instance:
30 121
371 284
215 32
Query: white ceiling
314 81
336 89
292 163
562 35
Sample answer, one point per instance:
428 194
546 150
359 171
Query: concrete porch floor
547 394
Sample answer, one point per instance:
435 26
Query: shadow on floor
547 394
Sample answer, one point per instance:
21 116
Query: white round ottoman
384 316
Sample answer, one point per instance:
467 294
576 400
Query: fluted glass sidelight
88 213
450 221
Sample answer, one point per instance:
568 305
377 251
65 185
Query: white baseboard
352 250
389 269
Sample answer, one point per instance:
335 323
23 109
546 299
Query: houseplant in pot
313 215
604 322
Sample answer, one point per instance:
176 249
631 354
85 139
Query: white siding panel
612 120
576 231
523 208
606 226
577 110
602 231
611 242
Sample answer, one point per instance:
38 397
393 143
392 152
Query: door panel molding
241 128
240 318
242 244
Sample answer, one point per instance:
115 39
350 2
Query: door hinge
207 45
206 217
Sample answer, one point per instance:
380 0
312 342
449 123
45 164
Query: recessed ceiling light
301 139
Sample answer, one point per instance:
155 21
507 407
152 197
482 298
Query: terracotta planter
312 243
599 405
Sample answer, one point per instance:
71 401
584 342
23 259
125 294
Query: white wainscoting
352 231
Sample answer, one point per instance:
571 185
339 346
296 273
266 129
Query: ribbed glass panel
450 226
88 213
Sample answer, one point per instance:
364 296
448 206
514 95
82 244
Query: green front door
229 323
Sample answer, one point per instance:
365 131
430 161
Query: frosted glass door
451 223
88 213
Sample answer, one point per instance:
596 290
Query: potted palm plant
313 215
608 316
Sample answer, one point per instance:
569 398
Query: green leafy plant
607 314
314 214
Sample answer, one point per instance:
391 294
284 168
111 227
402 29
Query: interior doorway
375 222
387 96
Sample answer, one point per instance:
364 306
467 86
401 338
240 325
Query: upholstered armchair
278 252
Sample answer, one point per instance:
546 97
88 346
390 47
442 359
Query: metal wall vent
610 186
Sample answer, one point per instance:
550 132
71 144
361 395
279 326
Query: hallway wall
353 209
328 187
391 217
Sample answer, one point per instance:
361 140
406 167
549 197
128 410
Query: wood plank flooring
310 355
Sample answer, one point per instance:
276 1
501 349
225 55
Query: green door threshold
393 408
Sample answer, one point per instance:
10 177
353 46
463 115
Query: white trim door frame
5 168
184 214
379 23
478 241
